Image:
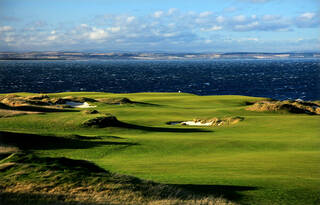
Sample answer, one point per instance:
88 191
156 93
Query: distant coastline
151 56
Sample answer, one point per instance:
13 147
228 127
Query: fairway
267 158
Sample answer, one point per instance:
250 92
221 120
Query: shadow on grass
159 129
96 137
230 192
35 142
147 104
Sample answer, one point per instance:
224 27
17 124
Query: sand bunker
79 105
195 123
298 106
209 122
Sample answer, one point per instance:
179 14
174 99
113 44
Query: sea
278 79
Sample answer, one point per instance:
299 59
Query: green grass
269 158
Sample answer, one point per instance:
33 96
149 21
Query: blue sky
163 25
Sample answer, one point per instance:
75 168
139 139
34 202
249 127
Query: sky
160 25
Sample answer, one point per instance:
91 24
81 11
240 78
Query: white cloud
169 34
268 17
171 11
240 18
158 14
308 20
114 29
251 39
171 25
5 28
205 14
246 27
185 29
213 28
220 19
97 34
8 39
52 38
130 19
308 15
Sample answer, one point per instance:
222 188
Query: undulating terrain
137 149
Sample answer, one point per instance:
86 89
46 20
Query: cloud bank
165 30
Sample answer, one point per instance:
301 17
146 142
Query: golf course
141 141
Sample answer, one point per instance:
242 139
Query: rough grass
28 179
311 108
268 158
11 113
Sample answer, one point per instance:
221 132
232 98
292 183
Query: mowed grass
269 158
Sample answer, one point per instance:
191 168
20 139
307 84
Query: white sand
192 123
79 105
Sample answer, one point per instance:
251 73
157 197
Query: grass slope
269 158
29 179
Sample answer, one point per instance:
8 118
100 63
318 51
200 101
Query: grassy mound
40 100
102 121
15 100
115 101
89 112
26 178
289 106
12 113
29 179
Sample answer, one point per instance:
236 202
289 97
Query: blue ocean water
278 79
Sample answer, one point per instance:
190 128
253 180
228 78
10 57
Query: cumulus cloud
161 29
130 19
114 29
52 38
9 39
213 28
5 28
97 34
158 14
269 17
240 18
308 20
205 14
247 27
172 11
260 23
220 19
307 15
